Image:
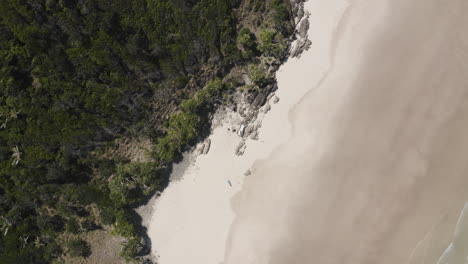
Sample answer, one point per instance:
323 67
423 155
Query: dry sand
363 161
376 169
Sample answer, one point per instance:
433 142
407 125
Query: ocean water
457 251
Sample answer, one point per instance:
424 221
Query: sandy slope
376 169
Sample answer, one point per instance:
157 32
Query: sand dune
376 169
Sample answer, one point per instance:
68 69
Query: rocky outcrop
297 10
302 42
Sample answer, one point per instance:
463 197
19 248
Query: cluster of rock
249 126
205 147
301 19
257 98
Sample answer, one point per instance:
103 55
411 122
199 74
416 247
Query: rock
240 149
275 87
248 130
269 89
207 146
300 13
201 150
258 125
250 97
214 59
307 45
276 100
246 79
301 45
270 96
241 131
254 135
248 173
297 9
251 116
259 100
304 28
267 108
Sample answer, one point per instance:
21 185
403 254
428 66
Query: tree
16 155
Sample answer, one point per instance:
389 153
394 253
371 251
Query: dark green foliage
78 248
76 75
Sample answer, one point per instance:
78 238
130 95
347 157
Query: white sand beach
363 161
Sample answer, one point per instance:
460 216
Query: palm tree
24 240
11 116
5 225
38 243
16 156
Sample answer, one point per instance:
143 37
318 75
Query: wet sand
376 169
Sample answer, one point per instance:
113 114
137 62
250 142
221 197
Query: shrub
132 248
259 75
272 44
280 15
245 39
123 226
123 187
78 248
182 129
72 226
107 216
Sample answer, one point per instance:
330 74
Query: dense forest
77 75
